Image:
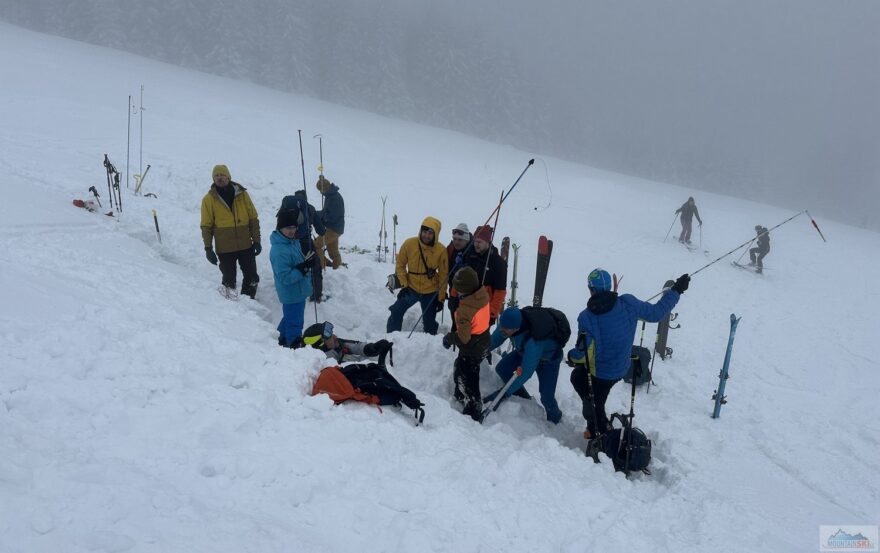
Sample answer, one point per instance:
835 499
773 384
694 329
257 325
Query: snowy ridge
139 411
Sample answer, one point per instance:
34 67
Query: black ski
545 250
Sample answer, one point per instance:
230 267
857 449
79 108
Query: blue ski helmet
599 280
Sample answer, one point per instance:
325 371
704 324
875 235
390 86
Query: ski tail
545 250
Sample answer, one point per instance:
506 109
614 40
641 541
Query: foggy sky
768 100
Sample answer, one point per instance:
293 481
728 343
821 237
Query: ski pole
107 166
320 138
156 222
139 180
491 240
467 250
394 236
306 214
128 145
94 192
815 226
670 227
746 243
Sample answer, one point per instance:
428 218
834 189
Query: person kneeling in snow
530 354
471 336
320 336
291 270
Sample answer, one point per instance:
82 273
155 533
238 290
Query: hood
432 223
602 302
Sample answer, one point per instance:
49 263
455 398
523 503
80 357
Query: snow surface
140 411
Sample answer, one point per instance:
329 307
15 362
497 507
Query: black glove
492 321
682 283
257 248
212 257
446 343
377 348
403 292
439 307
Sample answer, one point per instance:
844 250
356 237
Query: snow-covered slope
139 411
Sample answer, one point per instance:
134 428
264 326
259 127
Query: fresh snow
140 411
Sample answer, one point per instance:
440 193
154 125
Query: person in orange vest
471 337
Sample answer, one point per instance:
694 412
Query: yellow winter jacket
232 230
411 269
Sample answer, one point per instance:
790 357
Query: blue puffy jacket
608 326
290 284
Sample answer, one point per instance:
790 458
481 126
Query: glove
492 321
304 266
212 257
403 292
377 348
682 283
446 343
257 248
439 307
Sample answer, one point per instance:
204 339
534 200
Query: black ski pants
466 378
601 389
757 255
248 263
687 226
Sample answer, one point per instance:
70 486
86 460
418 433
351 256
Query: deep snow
139 411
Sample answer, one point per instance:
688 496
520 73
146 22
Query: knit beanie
466 281
289 218
221 170
462 229
484 233
323 185
510 318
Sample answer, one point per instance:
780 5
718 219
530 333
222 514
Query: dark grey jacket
333 214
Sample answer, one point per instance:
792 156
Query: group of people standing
231 235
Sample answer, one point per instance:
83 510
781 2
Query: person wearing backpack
606 330
231 228
471 336
422 267
320 336
291 271
538 335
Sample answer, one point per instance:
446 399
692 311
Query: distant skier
320 336
532 355
688 210
229 220
606 329
472 339
758 253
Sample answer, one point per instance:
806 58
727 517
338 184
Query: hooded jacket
333 213
291 285
607 328
411 269
232 228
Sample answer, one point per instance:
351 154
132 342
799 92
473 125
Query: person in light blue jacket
606 330
291 271
531 356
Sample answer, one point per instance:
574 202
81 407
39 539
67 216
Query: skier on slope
472 339
332 216
758 253
320 336
688 210
532 355
421 267
230 226
606 329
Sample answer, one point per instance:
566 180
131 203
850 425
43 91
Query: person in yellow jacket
231 227
422 266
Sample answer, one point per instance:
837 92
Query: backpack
547 323
640 364
639 453
367 382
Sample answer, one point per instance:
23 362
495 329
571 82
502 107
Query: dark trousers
452 304
686 228
406 299
248 263
466 377
757 255
601 389
317 279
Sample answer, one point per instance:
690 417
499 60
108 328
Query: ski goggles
460 235
318 339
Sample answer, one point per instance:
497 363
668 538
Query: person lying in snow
320 336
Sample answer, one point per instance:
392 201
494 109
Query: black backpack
615 446
374 379
640 365
547 323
